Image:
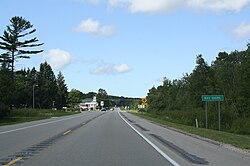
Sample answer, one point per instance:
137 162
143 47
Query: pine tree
62 92
15 48
47 86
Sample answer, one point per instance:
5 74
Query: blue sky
128 46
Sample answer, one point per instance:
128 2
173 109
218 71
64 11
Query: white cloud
111 69
58 59
118 3
93 27
242 31
147 6
155 6
91 1
95 1
219 5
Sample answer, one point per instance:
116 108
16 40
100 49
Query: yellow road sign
144 100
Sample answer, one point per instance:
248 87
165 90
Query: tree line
228 75
26 88
32 89
76 96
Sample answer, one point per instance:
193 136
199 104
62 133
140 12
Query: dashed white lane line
67 132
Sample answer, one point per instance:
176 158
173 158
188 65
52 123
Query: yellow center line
67 132
13 161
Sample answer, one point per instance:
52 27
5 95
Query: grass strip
240 141
16 120
28 115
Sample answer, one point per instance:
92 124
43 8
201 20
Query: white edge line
152 144
23 128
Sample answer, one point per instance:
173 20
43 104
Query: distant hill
112 101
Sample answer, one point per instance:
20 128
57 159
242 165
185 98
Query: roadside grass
27 115
240 141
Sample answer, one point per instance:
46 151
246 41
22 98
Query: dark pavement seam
190 157
25 154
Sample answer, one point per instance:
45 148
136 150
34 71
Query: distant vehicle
103 109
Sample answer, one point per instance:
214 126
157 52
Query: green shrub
4 110
241 126
187 117
26 112
183 117
142 110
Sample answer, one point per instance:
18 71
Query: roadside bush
181 117
241 126
28 112
73 110
4 110
142 110
229 121
187 117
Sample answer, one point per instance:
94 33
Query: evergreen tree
62 92
15 48
47 86
12 44
32 85
21 97
5 95
199 82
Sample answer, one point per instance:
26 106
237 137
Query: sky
128 46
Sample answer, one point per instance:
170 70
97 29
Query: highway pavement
108 139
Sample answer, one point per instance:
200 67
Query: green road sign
208 98
212 98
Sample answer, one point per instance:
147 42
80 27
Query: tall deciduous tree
62 91
74 97
244 91
102 95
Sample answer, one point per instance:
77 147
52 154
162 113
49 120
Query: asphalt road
108 139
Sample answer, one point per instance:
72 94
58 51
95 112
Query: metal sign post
208 98
219 114
206 113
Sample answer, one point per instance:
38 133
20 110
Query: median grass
27 115
240 141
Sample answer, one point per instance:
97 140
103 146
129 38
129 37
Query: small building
88 104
